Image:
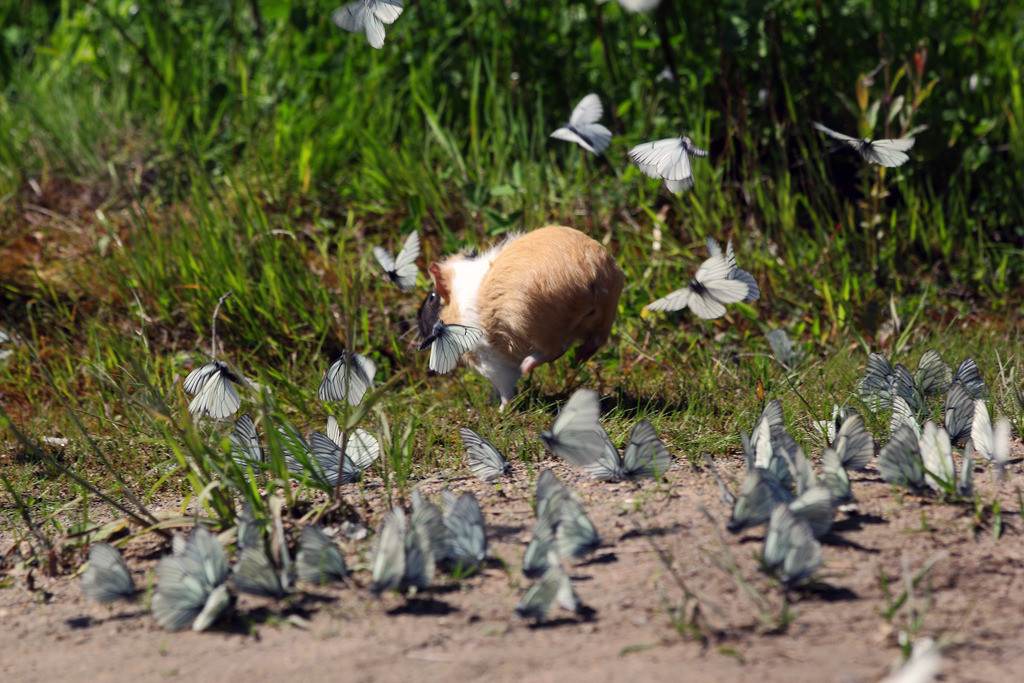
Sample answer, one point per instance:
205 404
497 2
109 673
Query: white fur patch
467 274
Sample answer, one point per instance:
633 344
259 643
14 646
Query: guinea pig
533 295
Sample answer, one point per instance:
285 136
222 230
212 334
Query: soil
658 538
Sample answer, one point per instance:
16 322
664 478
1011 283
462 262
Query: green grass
153 161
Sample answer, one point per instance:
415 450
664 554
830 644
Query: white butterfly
876 387
993 444
361 450
468 538
348 379
933 375
899 461
967 375
245 442
554 586
319 560
369 16
212 384
107 578
576 434
668 159
903 414
637 5
575 535
548 500
402 557
447 343
936 456
708 292
427 516
486 461
583 127
854 444
784 349
255 574
834 476
190 586
402 269
759 494
882 152
735 272
791 551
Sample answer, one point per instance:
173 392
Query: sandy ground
657 539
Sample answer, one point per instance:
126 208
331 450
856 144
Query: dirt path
973 601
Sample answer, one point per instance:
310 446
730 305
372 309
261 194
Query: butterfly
933 375
486 461
583 127
965 483
190 586
969 378
369 16
576 434
993 444
783 348
348 379
791 551
936 456
554 586
888 153
427 516
255 574
958 413
575 535
903 414
668 159
361 450
107 578
319 560
854 444
759 494
402 269
212 384
899 461
249 531
447 343
635 6
403 557
707 293
467 537
735 272
834 476
245 442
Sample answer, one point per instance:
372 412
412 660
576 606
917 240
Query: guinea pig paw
530 362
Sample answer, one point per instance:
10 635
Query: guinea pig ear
441 281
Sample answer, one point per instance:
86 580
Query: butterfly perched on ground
361 450
993 444
668 159
256 574
190 586
402 269
319 560
402 557
447 343
554 587
936 456
348 379
368 16
467 536
486 461
212 384
107 578
783 348
958 413
791 551
711 287
583 127
899 461
890 153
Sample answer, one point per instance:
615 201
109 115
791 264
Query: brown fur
547 290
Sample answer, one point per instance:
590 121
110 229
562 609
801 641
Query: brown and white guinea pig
534 295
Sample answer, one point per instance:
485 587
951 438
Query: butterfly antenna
216 311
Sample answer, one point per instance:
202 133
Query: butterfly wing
889 153
876 387
388 566
651 157
902 414
450 343
645 453
958 413
969 377
899 461
759 494
217 398
465 525
255 574
676 301
486 461
386 261
936 456
852 141
594 137
195 380
246 442
107 578
859 445
981 431
348 379
405 270
575 535
814 506
834 476
933 375
386 10
319 560
362 450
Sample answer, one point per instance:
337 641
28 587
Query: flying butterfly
212 384
889 152
447 343
348 379
319 560
735 272
576 434
759 494
485 460
791 551
368 16
635 6
402 269
707 293
361 450
107 578
583 127
190 586
668 159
